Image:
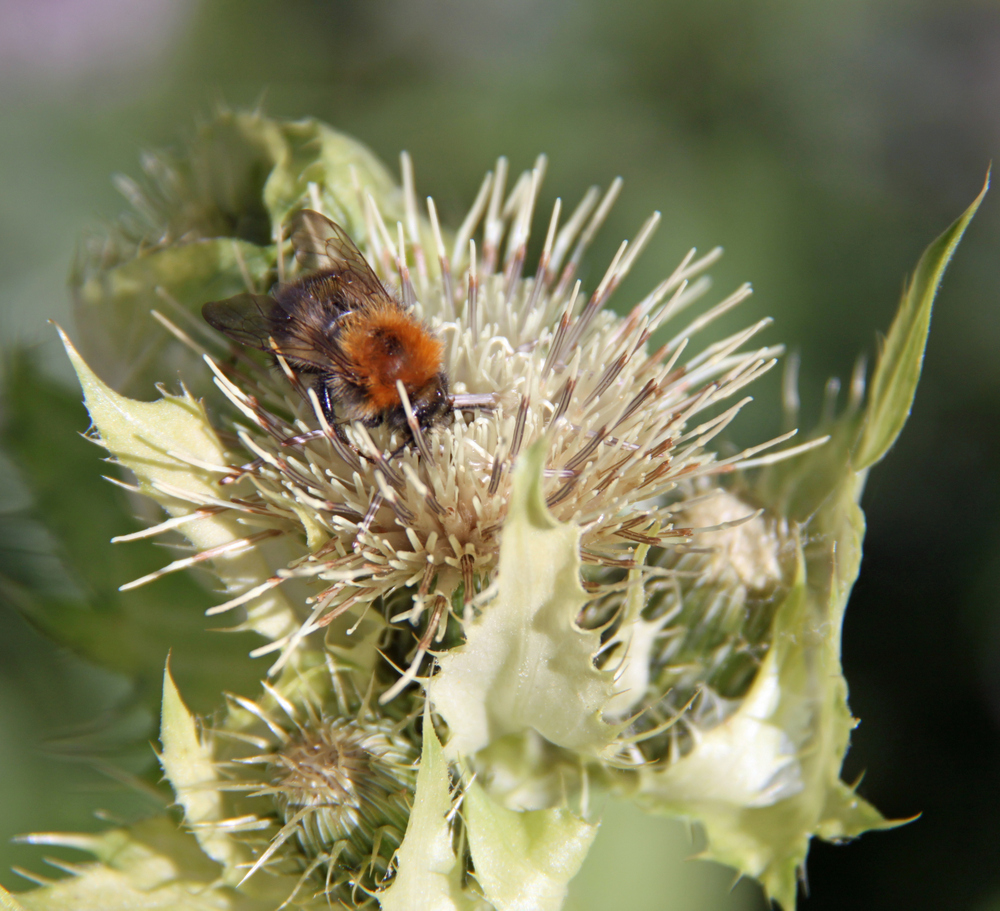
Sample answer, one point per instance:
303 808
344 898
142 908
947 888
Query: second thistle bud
343 786
333 792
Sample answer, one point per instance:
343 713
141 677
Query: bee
341 326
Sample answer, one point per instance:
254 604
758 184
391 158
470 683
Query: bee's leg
399 450
325 400
338 429
328 407
410 439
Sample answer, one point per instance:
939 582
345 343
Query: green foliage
152 866
187 763
819 495
167 445
895 381
526 699
203 225
69 589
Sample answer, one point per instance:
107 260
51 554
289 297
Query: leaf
8 903
524 860
861 437
337 164
428 875
767 779
164 444
150 866
748 760
526 665
631 648
894 383
187 763
58 567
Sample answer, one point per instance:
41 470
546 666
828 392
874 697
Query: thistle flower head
558 561
528 359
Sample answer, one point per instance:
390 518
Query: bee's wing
247 319
244 318
322 245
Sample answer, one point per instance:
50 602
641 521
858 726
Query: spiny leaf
165 444
526 665
150 866
69 588
767 779
894 383
428 875
524 860
187 763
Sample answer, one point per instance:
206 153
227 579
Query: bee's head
430 402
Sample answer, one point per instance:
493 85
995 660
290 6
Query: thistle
473 626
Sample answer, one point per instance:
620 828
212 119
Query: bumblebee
339 325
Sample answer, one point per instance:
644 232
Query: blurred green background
823 144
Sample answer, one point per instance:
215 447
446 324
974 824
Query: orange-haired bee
339 324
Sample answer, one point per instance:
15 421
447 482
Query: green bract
525 664
544 599
428 874
164 444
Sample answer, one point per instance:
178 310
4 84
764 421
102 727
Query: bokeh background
823 144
